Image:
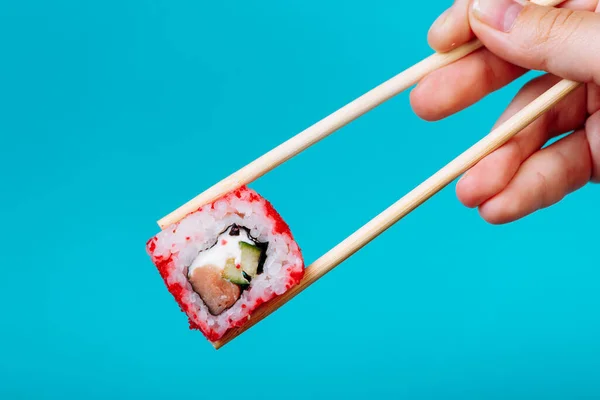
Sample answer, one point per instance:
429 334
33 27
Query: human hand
521 177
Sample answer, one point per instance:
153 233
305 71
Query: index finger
452 28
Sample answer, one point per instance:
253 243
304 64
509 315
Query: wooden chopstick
327 126
411 201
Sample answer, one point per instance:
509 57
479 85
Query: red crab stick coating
224 286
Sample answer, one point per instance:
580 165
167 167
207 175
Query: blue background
114 113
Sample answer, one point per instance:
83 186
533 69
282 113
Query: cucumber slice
233 274
250 258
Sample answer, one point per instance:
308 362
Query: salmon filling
220 273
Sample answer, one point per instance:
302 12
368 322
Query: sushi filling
220 273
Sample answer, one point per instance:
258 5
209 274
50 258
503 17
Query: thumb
557 40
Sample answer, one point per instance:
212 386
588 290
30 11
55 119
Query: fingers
452 28
543 180
461 84
592 130
561 41
580 5
593 98
492 174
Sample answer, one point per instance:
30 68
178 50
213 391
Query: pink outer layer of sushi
165 266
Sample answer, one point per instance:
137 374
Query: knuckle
490 76
553 27
557 25
542 189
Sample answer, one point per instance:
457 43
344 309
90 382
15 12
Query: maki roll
225 259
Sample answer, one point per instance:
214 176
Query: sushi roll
225 259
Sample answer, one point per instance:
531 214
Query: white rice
203 228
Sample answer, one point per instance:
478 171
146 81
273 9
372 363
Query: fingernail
462 178
498 14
